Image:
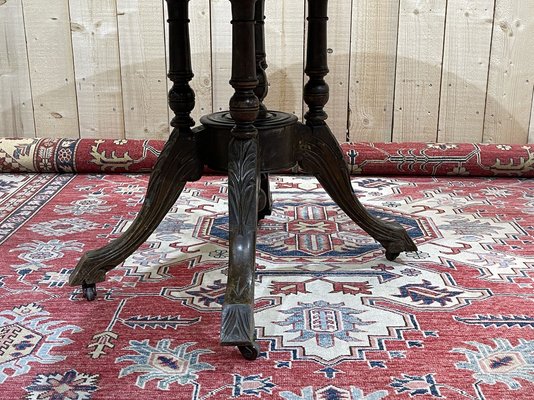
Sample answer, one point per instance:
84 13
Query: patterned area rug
335 320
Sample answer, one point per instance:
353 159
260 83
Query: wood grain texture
143 68
51 64
97 67
284 38
372 69
418 77
285 54
511 78
16 111
339 49
221 53
200 31
465 70
413 71
531 127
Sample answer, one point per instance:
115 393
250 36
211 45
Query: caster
89 291
391 256
250 352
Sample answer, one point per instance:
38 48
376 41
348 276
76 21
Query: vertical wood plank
372 69
418 77
97 68
465 70
200 32
143 68
531 127
51 68
221 45
394 67
285 57
16 111
339 47
511 78
284 39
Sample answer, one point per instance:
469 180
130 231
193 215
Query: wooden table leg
319 150
243 181
178 163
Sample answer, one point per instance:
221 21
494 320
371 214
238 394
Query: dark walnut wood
237 326
276 130
176 165
265 198
248 142
316 89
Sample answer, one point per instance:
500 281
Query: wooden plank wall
400 70
16 109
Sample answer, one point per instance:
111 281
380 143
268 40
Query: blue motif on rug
312 231
503 363
164 363
251 385
28 335
333 393
71 385
323 321
50 185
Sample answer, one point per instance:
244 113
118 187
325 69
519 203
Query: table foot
237 326
237 329
176 165
320 154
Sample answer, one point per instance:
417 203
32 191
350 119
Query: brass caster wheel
391 256
250 352
89 291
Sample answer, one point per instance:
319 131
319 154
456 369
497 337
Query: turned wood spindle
181 95
316 90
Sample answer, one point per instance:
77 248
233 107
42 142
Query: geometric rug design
334 318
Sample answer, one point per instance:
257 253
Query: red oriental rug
335 320
384 159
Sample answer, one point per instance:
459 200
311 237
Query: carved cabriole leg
321 156
177 164
319 151
243 181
